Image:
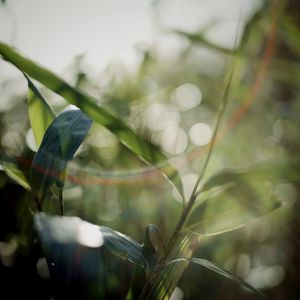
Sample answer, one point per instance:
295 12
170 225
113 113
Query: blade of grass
142 148
40 113
217 269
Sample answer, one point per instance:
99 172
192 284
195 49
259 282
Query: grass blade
16 174
142 148
40 113
232 198
217 269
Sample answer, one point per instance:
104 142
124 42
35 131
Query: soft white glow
188 181
159 116
42 268
177 294
89 235
12 141
265 276
174 140
200 134
187 96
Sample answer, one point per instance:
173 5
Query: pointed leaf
59 231
60 142
16 174
87 261
40 113
169 277
233 198
213 267
144 149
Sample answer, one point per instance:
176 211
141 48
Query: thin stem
195 191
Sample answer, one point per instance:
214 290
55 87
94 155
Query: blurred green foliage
108 185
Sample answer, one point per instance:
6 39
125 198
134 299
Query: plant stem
195 193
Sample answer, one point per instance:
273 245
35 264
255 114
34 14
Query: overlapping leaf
145 150
217 269
59 144
237 197
87 261
40 113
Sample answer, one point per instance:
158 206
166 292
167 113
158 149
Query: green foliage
40 113
60 142
213 267
87 261
145 150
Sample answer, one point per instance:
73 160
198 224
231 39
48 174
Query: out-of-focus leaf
40 113
16 174
213 267
168 278
148 152
199 38
278 171
59 144
85 260
237 197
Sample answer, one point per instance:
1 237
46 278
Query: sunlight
89 235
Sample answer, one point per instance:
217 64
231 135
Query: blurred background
161 65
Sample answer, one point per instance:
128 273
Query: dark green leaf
60 142
40 113
213 267
57 230
87 261
144 149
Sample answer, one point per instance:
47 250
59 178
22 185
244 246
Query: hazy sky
52 32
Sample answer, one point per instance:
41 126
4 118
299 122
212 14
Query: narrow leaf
16 174
215 268
59 230
168 278
144 149
60 142
40 113
87 261
232 198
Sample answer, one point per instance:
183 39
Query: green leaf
60 142
231 198
40 113
144 149
215 268
168 278
16 174
199 38
84 258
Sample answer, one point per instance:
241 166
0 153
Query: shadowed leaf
87 261
215 268
59 144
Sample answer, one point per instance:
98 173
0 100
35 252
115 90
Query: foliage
87 261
